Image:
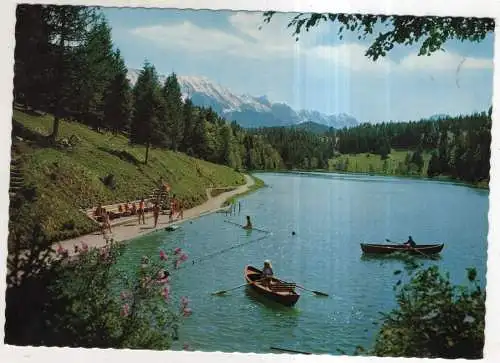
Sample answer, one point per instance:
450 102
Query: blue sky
318 72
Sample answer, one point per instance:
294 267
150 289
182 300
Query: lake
331 214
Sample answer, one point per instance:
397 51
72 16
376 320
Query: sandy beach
128 231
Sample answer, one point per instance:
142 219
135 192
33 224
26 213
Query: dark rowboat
280 291
385 249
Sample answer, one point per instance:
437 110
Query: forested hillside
457 147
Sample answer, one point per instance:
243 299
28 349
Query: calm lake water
331 214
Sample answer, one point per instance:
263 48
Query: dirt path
128 231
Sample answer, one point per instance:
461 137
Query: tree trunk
55 127
60 78
147 152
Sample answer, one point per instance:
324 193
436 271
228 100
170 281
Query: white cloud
351 56
444 61
190 37
275 42
274 33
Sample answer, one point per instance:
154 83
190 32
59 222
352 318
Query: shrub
86 301
434 319
109 181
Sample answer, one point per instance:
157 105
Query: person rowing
267 273
249 224
410 243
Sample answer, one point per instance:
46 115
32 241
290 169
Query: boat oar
222 292
319 293
289 350
414 249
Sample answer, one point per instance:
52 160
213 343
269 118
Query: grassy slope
67 180
360 163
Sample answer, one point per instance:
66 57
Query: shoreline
125 232
439 179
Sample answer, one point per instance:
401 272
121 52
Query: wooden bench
117 217
283 286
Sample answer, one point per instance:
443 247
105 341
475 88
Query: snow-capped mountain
338 121
247 110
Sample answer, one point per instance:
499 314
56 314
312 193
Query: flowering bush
87 301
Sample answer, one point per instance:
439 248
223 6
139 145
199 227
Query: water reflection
266 303
397 256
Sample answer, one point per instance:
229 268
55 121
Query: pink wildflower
183 257
163 280
177 250
163 255
124 311
187 311
166 293
162 277
184 301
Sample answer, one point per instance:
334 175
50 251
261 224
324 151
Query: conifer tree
33 56
434 165
173 107
68 27
96 71
188 123
117 110
145 126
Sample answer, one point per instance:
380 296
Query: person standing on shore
181 210
156 213
171 212
173 205
106 223
141 212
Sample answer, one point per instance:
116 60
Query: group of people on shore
140 209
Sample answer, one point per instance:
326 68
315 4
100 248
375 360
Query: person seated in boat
410 243
249 224
267 273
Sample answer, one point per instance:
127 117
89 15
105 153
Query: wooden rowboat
385 249
280 291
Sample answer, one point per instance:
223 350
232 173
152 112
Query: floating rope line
198 260
239 225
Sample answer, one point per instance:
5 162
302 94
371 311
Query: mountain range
247 110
